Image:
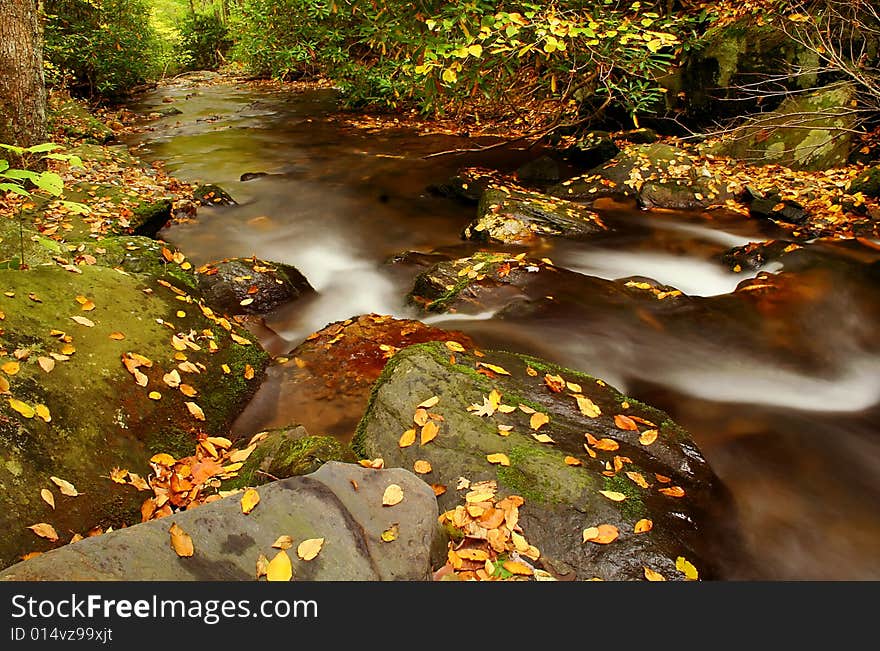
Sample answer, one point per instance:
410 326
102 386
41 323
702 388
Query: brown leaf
45 530
554 382
181 542
262 565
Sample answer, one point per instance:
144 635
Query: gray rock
561 500
341 503
515 216
212 195
227 283
683 194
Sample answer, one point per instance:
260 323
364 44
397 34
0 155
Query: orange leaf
573 461
673 491
407 438
643 526
648 436
625 423
515 567
554 382
181 542
637 478
195 410
609 445
651 575
603 534
498 458
429 432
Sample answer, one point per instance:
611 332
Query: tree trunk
22 87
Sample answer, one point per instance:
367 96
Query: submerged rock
341 503
592 149
468 185
539 171
518 216
563 437
212 195
250 285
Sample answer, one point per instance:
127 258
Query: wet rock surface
250 285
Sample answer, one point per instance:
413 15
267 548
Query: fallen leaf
391 533
283 542
181 542
554 382
48 498
154 395
643 526
625 423
515 567
4 385
637 478
10 368
118 336
407 438
429 432
310 548
651 575
614 496
392 495
248 372
573 461
673 491
542 438
119 475
648 436
438 489
587 407
493 368
687 568
279 568
454 346
163 459
65 487
188 390
498 458
84 321
538 420
46 363
430 402
249 500
195 410
262 565
42 411
422 467
603 534
44 530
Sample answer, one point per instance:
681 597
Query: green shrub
99 47
204 40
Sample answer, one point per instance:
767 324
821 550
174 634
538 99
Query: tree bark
22 86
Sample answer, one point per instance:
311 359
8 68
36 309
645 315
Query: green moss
633 506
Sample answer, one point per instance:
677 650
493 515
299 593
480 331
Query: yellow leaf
154 395
44 530
249 500
279 568
455 347
283 542
430 402
310 548
10 368
515 567
48 498
422 467
687 568
392 495
42 411
119 475
494 368
449 76
195 410
538 420
162 459
242 342
391 533
407 438
637 478
648 436
479 555
84 321
248 372
4 385
262 565
588 407
65 487
118 336
499 458
429 432
651 575
542 438
181 542
643 526
614 496
475 50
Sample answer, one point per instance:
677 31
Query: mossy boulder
591 149
468 185
289 452
69 334
683 194
625 173
212 195
73 120
867 183
513 215
250 285
590 449
812 132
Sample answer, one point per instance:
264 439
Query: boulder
341 503
809 132
468 185
625 173
540 171
97 413
518 216
250 285
325 383
592 149
212 195
683 195
867 183
563 437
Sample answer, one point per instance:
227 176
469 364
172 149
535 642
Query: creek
780 392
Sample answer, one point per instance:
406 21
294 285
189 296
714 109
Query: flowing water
781 392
